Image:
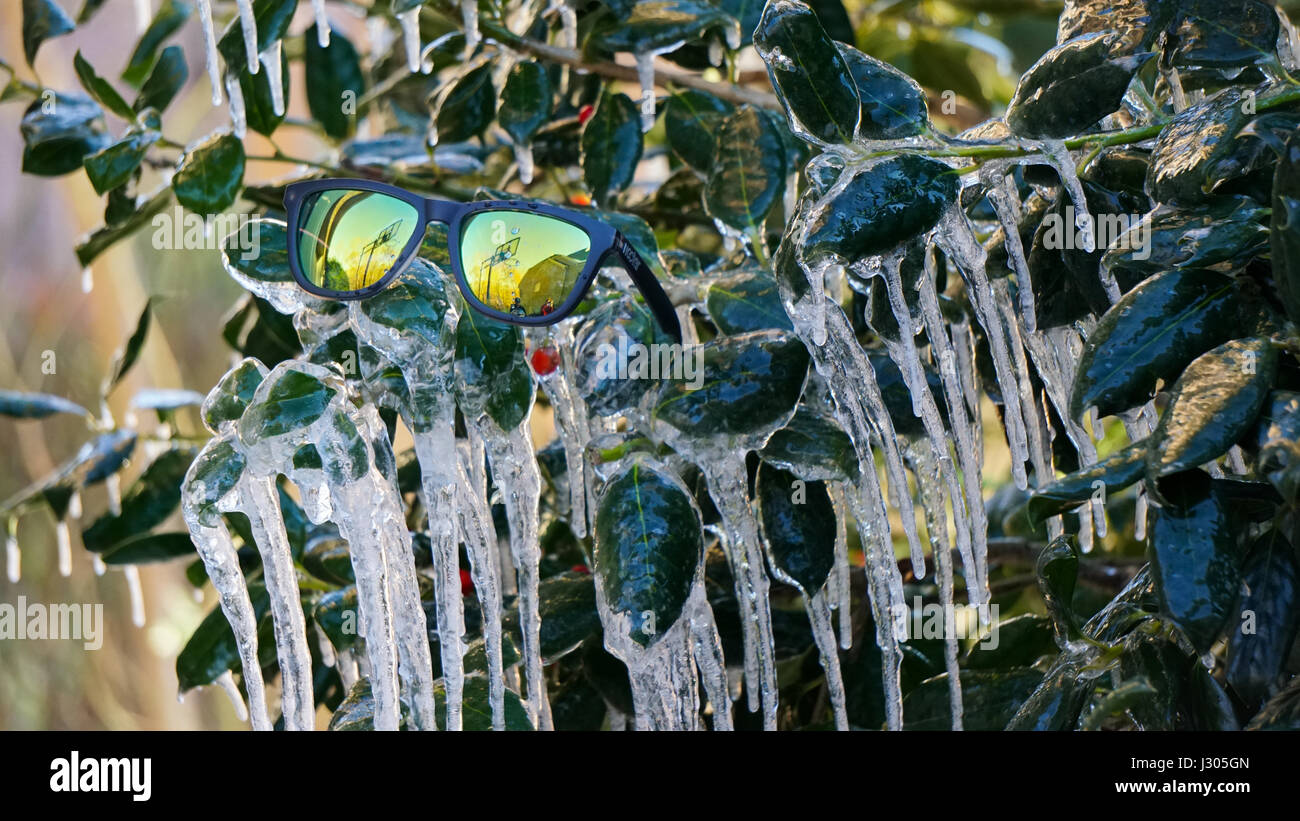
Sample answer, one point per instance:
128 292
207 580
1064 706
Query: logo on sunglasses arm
178 230
658 361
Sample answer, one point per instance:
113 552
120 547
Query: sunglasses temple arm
648 284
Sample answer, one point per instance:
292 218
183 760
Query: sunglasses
520 262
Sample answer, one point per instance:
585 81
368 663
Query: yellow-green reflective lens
348 240
521 263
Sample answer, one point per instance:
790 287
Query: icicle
410 22
1140 514
645 73
132 574
571 423
717 52
1236 461
732 34
478 533
1006 202
524 159
1059 158
248 23
819 615
87 280
97 564
323 645
13 556
707 651
841 590
210 50
1086 533
260 501
113 487
226 681
271 59
64 539
143 15
322 23
238 120
469 16
74 506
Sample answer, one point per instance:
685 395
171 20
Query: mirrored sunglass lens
520 263
348 240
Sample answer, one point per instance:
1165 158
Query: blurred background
975 48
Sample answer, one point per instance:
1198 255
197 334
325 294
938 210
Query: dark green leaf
226 402
1212 405
691 122
611 147
1058 571
567 604
293 402
36 405
881 207
525 101
491 375
612 329
799 526
1133 693
1059 699
259 109
101 90
150 500
59 131
1152 334
746 301
893 104
1136 23
42 19
812 446
990 699
1227 230
105 236
1110 475
332 73
165 81
468 107
1194 557
808 72
213 475
130 353
1020 642
170 17
1282 712
88 9
1189 148
655 24
1072 87
649 548
212 649
337 614
476 710
150 547
1221 33
1267 619
1284 228
210 175
270 17
748 175
1278 440
751 383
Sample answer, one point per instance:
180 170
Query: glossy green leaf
990 698
892 104
164 82
798 522
1188 149
1212 405
491 375
270 17
525 101
227 401
751 383
748 175
1136 23
692 120
746 301
1194 557
1020 642
1058 571
211 649
468 107
1264 625
329 559
213 474
655 24
1284 228
59 132
150 547
1221 33
1227 230
149 501
333 73
883 206
1277 439
476 709
812 446
1072 87
42 19
567 603
1151 334
1059 699
1132 693
23 405
126 358
612 330
171 15
293 402
259 109
336 612
1110 475
611 147
210 175
808 72
649 546
1185 696
100 89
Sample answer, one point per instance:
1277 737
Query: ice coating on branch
271 59
410 22
1006 203
210 58
707 647
322 23
838 584
645 74
64 539
478 533
469 18
248 23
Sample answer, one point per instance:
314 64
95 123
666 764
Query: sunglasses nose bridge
440 211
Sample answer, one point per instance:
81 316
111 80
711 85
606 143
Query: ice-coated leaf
883 206
294 401
332 72
656 24
1282 712
213 474
1021 641
164 82
1194 557
227 401
1262 636
468 107
130 352
746 301
149 501
1136 23
1284 228
59 133
1071 87
611 147
1059 699
42 19
608 331
1058 571
1115 472
748 174
989 699
1189 147
259 105
211 649
649 545
892 104
1151 334
1221 33
525 101
149 547
751 382
898 398
491 374
691 122
808 72
171 15
1212 405
798 523
567 603
1229 230
271 18
23 405
1277 438
210 175
812 446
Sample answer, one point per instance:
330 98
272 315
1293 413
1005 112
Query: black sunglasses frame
604 240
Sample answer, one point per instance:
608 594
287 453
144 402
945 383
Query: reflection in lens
348 240
520 263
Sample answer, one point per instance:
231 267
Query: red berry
580 568
585 112
545 360
466 583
